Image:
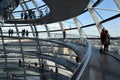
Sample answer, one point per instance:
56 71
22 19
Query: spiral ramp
33 58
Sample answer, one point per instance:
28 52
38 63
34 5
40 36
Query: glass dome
22 42
104 14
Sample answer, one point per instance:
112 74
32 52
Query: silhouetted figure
56 70
23 32
52 74
77 59
107 41
27 33
36 34
29 64
102 38
64 34
35 64
42 65
9 32
25 16
20 63
42 68
12 32
22 15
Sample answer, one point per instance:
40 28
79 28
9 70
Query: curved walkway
104 67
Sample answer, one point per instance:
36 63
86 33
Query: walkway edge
116 56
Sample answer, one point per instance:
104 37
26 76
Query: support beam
117 3
47 30
3 46
95 18
78 27
39 11
21 51
62 28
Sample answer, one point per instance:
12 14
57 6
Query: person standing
22 15
23 32
29 64
107 41
35 65
102 38
64 34
25 16
20 63
27 33
77 59
12 32
9 32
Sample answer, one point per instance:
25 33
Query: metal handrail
81 68
70 43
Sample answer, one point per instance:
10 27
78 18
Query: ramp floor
104 66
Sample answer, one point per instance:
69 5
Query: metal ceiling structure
32 33
44 15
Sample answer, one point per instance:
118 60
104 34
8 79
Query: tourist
27 33
107 41
29 64
23 32
64 34
25 16
77 59
35 65
9 32
21 15
102 38
12 32
19 63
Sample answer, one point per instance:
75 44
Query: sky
112 26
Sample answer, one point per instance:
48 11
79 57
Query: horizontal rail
81 68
